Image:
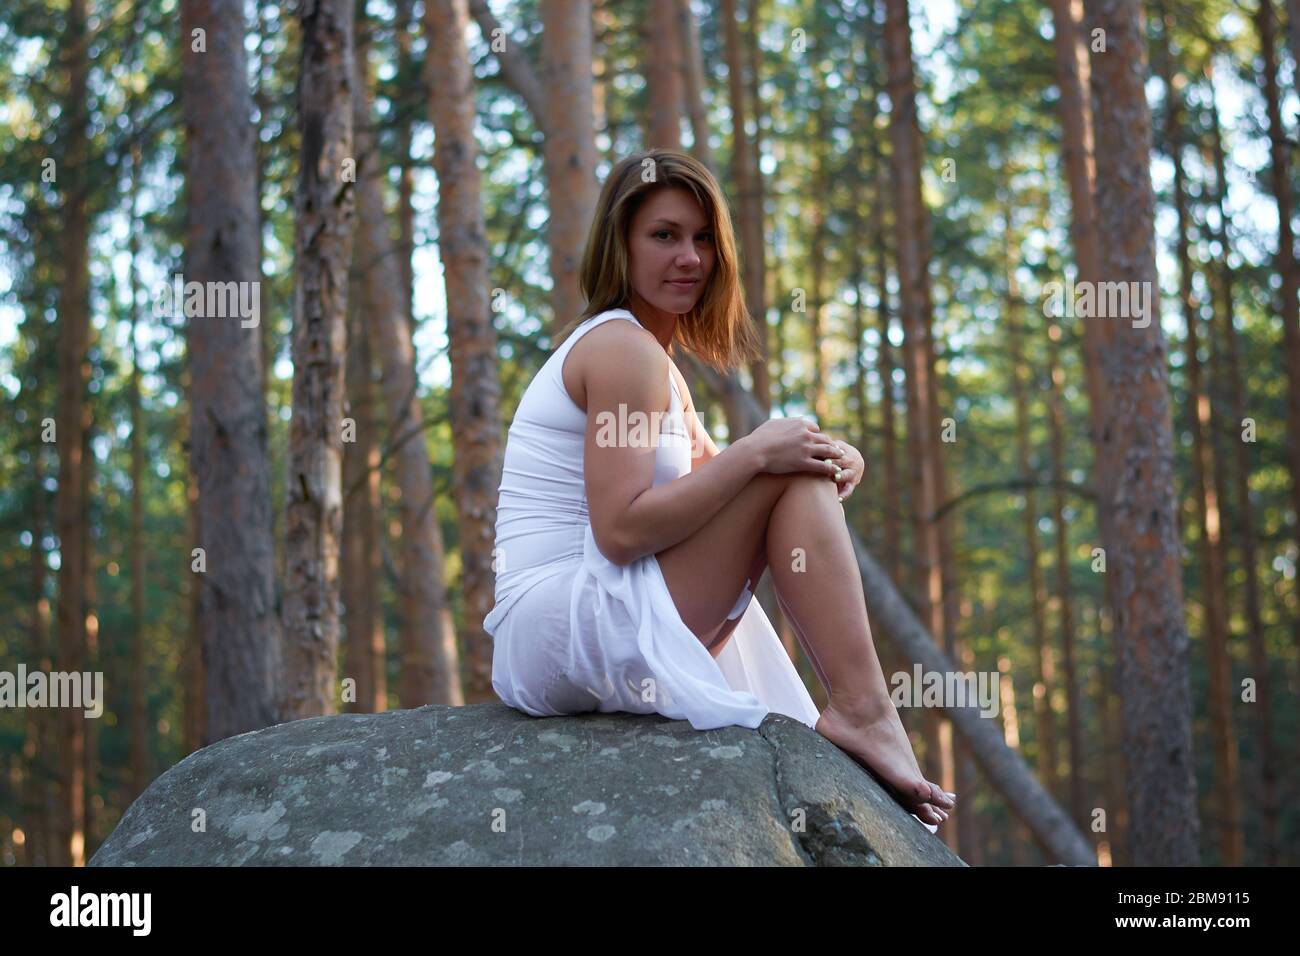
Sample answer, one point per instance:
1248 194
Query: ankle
860 708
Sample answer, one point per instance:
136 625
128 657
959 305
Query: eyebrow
677 224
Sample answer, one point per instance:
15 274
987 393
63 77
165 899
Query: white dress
572 631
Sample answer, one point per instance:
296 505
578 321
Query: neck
659 323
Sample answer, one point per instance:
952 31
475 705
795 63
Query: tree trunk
1044 676
1285 262
569 146
1236 402
694 78
663 75
1135 462
322 254
406 67
430 669
747 198
1205 493
72 425
913 278
38 747
139 723
475 390
90 655
1064 589
228 432
361 508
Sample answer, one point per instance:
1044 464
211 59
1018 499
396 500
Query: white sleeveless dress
572 631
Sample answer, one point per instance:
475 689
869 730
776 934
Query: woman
628 546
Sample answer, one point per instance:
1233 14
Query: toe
940 798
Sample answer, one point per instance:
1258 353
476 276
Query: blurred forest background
1103 513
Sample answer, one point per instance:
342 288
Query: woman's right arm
629 517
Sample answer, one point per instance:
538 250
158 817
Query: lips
683 283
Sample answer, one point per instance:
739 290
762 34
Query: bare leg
817 578
825 603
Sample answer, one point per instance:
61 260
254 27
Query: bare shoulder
612 346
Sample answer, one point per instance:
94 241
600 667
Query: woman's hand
794 444
852 468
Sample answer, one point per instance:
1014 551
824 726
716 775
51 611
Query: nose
688 257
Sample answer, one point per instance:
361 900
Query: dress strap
672 384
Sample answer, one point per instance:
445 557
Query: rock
487 785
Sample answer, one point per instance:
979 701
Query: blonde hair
719 328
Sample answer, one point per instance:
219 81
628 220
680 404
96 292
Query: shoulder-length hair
719 328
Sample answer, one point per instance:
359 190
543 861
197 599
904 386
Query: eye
706 236
662 232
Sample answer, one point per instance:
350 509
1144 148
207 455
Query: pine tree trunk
475 390
1266 759
38 747
90 655
1205 494
1064 589
1044 676
569 147
430 663
361 566
1285 262
72 424
1135 462
747 198
913 301
139 752
406 67
322 255
663 75
693 77
228 431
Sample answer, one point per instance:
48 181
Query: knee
811 482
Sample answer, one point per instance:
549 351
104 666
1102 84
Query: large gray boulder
487 785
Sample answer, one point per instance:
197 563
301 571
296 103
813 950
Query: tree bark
72 424
322 254
569 148
228 432
663 75
1135 462
475 390
1044 667
430 670
922 417
1205 493
747 197
139 752
1223 287
1285 261
361 510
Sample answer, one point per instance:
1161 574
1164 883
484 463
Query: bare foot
879 742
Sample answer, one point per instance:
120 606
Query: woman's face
670 238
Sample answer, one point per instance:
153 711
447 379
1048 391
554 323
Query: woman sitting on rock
628 547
